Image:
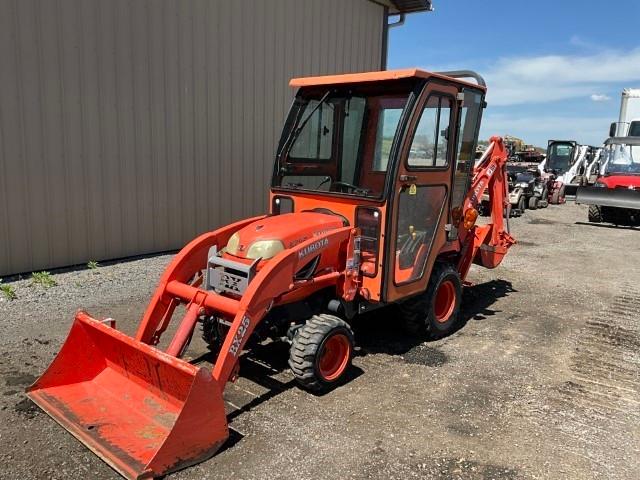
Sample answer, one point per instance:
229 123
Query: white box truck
628 123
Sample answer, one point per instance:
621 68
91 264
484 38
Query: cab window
340 142
429 147
316 137
388 120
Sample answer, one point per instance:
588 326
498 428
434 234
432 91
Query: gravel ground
543 380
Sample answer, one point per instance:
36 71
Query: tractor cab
390 153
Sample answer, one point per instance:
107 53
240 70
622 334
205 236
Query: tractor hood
269 236
617 181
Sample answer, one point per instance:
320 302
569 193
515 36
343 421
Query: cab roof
381 76
631 141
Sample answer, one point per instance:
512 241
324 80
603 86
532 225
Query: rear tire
435 313
321 353
545 198
595 214
533 203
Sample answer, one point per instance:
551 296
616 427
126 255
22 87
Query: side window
443 132
429 147
388 120
469 121
354 109
316 138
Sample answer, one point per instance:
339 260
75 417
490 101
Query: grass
7 291
92 265
43 279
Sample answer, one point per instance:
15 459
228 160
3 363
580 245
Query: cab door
422 191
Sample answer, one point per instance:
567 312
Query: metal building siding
130 126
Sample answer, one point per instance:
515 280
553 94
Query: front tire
595 214
321 353
435 313
522 204
533 203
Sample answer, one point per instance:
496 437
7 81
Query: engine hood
616 181
290 229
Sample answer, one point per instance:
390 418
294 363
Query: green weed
43 279
7 291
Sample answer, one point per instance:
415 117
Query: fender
271 282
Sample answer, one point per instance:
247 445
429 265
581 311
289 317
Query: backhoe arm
491 240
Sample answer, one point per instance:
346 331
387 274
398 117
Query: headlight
522 185
265 249
600 184
233 243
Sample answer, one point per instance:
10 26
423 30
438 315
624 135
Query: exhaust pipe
609 197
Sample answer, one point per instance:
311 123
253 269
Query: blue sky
554 69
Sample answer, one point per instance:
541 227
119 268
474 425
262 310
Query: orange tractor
373 202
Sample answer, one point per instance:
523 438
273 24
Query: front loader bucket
609 197
142 411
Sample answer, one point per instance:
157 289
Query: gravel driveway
543 380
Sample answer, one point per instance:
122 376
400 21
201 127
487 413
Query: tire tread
305 346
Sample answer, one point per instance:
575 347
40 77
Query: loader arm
493 239
147 412
184 266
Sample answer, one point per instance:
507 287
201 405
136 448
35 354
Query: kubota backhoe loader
373 202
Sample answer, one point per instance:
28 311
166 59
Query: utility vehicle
615 196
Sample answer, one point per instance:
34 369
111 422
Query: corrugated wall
128 127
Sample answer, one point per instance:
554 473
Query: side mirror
612 129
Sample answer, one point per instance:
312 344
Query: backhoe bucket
609 197
142 411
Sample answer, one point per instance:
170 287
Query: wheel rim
445 301
334 356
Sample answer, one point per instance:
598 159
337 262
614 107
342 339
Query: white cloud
539 129
596 97
580 42
548 78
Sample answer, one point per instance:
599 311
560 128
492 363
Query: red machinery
615 195
373 201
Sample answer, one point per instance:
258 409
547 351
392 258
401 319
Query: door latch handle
408 178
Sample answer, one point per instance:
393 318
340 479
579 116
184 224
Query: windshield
339 142
560 157
525 177
622 159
